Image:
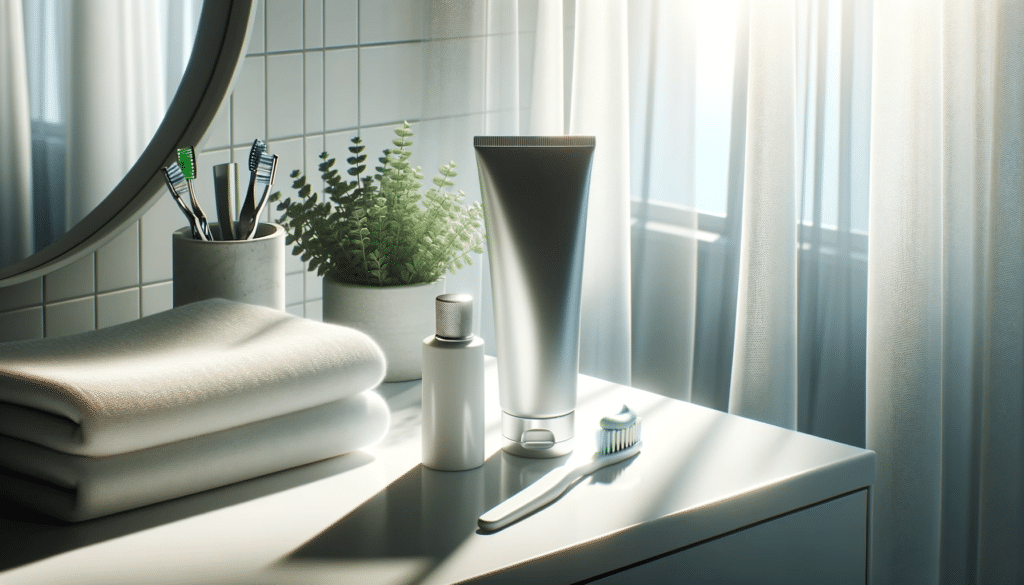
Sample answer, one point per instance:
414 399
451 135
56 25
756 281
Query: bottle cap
454 316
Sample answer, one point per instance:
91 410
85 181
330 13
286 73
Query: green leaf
382 228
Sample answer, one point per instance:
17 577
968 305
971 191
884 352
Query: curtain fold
1001 473
833 80
16 234
664 253
764 367
116 95
547 98
904 393
967 119
600 96
946 318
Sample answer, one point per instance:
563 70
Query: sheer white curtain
945 309
100 74
663 271
116 94
764 366
15 137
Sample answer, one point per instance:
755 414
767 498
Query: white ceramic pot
396 317
247 271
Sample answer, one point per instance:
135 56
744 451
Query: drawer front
825 543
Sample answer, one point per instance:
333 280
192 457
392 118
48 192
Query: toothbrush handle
184 209
534 497
546 490
263 201
257 211
247 215
204 226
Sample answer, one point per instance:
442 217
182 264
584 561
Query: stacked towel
190 399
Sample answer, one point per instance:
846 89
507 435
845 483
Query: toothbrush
176 181
618 440
265 173
247 216
187 162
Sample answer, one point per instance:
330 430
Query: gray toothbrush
265 173
247 217
176 182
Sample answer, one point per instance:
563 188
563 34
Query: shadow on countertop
27 536
414 524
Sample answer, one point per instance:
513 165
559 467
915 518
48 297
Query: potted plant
383 244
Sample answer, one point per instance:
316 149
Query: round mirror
113 99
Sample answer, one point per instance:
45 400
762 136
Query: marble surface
378 516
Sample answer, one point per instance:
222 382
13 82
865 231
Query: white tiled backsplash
317 72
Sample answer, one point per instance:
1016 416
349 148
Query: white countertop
377 516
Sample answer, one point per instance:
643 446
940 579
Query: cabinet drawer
824 543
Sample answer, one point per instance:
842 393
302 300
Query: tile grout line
42 303
359 69
266 80
138 226
305 116
95 290
323 113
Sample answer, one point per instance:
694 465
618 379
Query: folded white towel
75 488
196 369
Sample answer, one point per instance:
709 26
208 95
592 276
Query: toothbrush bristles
255 153
174 173
266 170
613 440
187 162
177 179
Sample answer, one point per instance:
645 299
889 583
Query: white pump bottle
453 389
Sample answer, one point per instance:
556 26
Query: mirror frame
220 44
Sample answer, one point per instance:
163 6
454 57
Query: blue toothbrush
176 183
247 216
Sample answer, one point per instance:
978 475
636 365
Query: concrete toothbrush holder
247 271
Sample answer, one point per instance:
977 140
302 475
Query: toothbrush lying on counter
179 176
618 440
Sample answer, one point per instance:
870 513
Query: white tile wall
313 113
395 71
286 32
340 108
21 295
317 72
74 280
118 307
340 22
389 21
22 324
67 317
117 263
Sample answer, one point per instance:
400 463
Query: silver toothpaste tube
535 211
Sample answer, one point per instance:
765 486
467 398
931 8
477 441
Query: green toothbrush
187 162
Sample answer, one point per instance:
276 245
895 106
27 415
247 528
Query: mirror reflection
84 84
